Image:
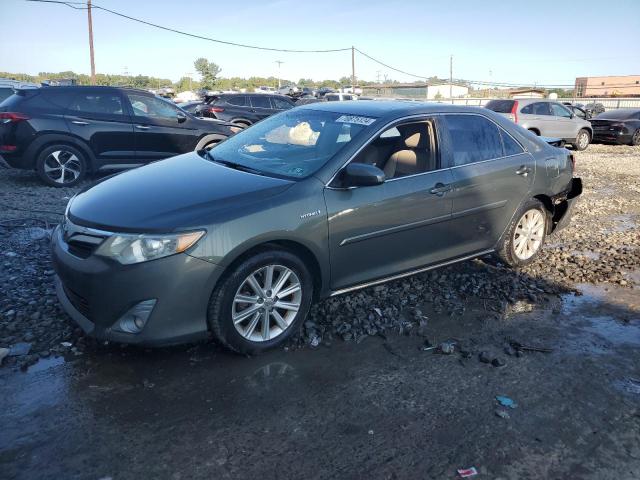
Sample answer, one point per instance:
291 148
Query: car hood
170 195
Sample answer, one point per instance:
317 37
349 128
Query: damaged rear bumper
564 203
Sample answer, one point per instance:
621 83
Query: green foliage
438 96
209 72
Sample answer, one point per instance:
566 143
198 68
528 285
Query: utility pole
353 70
93 63
451 78
279 62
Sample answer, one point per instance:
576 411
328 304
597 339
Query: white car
264 89
288 90
340 97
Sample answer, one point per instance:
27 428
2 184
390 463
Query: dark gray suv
316 201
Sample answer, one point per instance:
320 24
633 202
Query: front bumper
96 292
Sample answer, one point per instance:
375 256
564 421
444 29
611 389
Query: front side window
472 138
102 103
151 107
260 101
281 104
560 111
404 150
291 144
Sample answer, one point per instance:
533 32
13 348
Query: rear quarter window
500 106
55 101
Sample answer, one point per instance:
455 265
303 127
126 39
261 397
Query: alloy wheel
266 303
583 140
528 235
62 166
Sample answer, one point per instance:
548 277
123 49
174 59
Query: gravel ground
602 245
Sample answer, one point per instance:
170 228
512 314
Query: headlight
128 249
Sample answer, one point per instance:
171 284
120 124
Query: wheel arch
45 140
305 253
202 142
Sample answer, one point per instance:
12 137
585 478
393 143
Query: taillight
514 111
7 117
216 109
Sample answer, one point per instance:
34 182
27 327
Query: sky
546 42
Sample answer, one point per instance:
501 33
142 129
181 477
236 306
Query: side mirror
362 175
181 117
572 116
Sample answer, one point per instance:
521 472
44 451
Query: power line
201 37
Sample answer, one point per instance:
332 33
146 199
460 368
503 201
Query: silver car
546 118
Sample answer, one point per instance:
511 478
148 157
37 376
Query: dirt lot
369 401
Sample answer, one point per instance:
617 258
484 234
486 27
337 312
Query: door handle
523 170
440 189
78 122
143 127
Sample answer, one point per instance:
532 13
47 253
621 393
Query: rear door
101 119
261 106
492 174
537 115
161 129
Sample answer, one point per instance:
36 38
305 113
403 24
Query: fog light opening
136 318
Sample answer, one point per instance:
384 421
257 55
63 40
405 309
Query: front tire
635 139
261 302
583 139
525 235
61 166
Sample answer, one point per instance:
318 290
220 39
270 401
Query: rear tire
583 139
535 132
241 124
250 311
635 138
525 236
61 165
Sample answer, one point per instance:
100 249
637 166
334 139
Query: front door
563 120
492 175
400 225
100 118
161 129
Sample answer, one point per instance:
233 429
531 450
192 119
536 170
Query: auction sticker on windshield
355 119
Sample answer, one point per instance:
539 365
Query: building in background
614 86
527 93
435 92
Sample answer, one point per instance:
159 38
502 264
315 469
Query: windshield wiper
234 165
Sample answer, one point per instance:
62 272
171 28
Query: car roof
390 108
93 87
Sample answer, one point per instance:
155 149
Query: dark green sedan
238 241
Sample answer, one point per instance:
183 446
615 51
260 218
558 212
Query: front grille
81 241
78 301
81 249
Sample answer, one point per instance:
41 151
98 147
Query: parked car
546 118
321 92
316 201
617 126
594 108
243 109
7 87
339 97
66 132
579 112
189 107
288 90
264 89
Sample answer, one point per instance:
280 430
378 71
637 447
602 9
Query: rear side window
538 108
260 101
5 93
511 147
107 103
239 101
500 106
41 101
472 138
